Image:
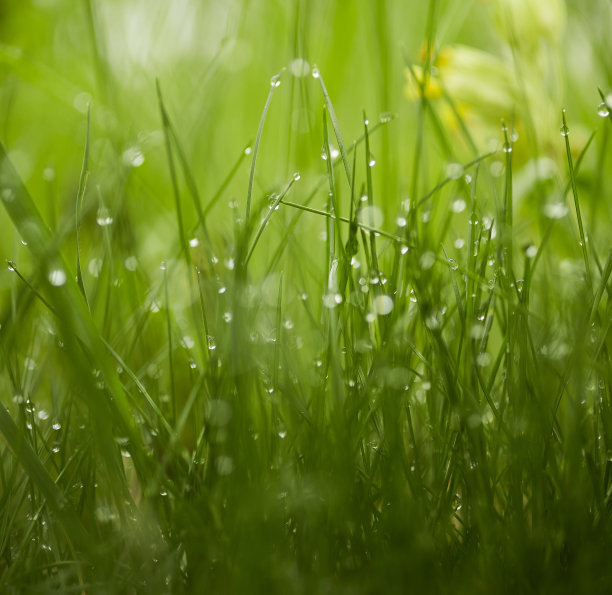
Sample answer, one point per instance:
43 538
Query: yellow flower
521 83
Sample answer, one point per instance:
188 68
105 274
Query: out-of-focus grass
355 340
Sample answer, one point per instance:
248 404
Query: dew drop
427 260
227 316
275 81
483 359
315 72
458 205
130 263
370 216
454 171
103 217
555 210
95 267
210 341
383 305
299 67
187 342
296 176
603 111
248 150
564 130
331 300
193 242
57 277
133 157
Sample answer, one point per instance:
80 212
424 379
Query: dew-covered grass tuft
306 298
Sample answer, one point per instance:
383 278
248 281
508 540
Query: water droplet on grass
57 277
555 210
81 102
131 263
212 344
299 67
564 130
275 81
193 242
133 157
315 72
427 260
382 305
483 359
458 205
331 300
227 316
95 266
454 171
187 342
370 216
103 217
603 111
496 168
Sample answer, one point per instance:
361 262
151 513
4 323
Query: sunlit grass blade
79 204
572 175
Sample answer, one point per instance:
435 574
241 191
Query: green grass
354 354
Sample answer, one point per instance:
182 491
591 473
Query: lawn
305 296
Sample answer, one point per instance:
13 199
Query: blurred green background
214 61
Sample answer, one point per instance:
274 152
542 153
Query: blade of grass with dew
335 124
264 222
79 202
572 176
274 83
41 478
67 302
